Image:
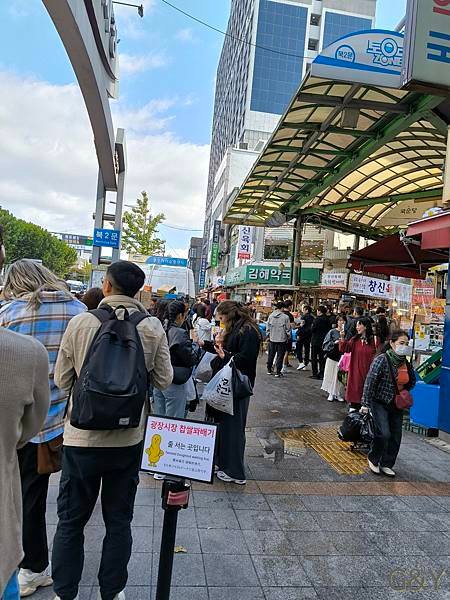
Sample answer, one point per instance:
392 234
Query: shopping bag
218 393
242 387
204 372
344 363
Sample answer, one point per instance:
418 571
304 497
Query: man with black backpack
108 358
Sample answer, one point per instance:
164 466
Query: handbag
242 388
49 456
403 400
344 363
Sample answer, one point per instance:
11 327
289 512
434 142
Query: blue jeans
172 401
11 591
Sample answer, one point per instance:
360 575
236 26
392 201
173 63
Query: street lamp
140 7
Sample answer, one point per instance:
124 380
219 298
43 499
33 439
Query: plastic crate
425 410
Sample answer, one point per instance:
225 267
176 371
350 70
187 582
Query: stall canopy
433 232
396 255
346 154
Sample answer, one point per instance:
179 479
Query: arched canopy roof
347 153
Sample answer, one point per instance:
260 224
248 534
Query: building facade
263 60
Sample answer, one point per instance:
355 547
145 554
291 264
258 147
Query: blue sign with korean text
107 238
167 261
372 57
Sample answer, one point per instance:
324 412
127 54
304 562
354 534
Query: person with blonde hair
38 304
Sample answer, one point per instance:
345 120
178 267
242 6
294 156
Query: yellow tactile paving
325 442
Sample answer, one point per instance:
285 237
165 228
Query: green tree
140 229
26 240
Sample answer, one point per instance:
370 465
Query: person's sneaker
224 477
278 375
159 477
314 377
374 468
284 371
330 398
301 366
387 471
29 582
119 596
340 399
308 367
269 372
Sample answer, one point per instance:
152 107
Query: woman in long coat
362 347
241 340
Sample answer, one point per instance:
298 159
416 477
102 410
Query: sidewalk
298 529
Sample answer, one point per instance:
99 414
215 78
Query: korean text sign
427 43
107 238
245 242
180 448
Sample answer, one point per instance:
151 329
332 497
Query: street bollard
175 496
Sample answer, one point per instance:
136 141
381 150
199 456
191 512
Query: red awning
434 232
400 257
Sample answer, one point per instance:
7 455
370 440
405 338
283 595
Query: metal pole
119 211
296 261
444 403
175 496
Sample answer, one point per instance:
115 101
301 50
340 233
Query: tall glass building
263 61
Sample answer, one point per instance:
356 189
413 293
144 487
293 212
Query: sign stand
175 496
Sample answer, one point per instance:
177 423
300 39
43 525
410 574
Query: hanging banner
372 57
422 294
427 51
245 242
334 280
215 245
369 286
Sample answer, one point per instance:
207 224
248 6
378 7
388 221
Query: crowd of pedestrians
76 381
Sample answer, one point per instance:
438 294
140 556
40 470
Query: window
315 20
312 44
337 25
281 27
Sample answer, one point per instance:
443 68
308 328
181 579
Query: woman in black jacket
241 340
389 372
184 356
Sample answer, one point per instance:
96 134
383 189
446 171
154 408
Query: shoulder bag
403 400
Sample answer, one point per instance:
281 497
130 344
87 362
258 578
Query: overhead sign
370 286
245 242
373 57
107 238
167 261
215 245
334 280
427 51
404 213
180 448
202 274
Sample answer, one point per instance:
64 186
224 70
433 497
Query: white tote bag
219 391
203 372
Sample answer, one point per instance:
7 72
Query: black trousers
318 359
277 349
388 421
303 350
34 502
84 471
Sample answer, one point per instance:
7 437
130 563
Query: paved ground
298 530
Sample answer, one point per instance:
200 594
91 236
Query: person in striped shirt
40 305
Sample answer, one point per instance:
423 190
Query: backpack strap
137 317
103 313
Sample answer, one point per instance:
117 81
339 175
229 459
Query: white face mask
403 350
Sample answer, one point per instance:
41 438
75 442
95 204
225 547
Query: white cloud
185 35
131 64
48 166
129 23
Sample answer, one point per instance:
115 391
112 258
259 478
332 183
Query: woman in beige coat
24 403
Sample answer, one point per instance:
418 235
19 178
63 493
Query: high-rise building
195 258
263 60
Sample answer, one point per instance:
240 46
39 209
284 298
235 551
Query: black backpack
113 384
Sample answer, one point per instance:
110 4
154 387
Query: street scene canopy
347 153
396 255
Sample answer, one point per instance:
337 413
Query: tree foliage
26 240
140 229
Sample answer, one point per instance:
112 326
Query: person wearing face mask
379 397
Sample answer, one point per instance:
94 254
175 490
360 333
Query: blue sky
168 65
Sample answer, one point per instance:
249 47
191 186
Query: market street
298 529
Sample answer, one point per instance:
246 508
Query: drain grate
325 442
